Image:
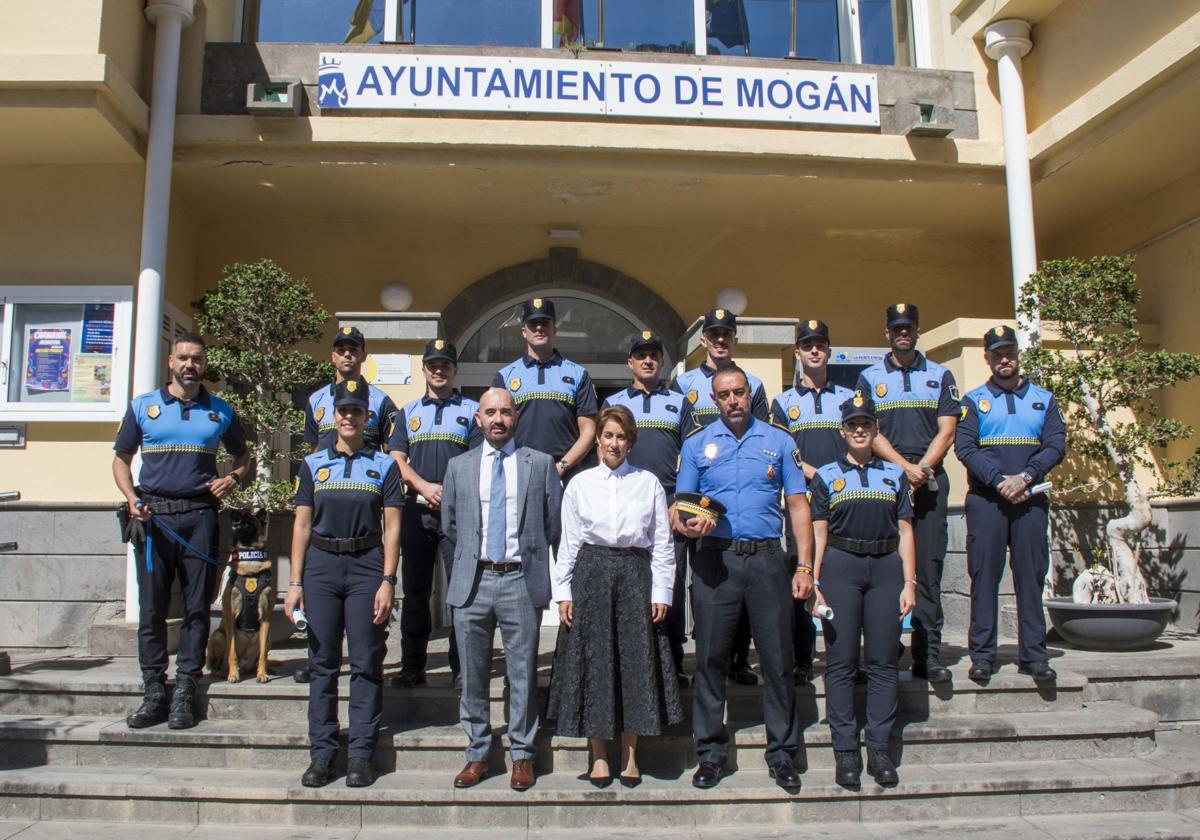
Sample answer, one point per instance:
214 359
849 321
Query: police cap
698 504
440 349
646 338
858 406
719 319
812 329
899 314
349 335
537 309
351 392
999 336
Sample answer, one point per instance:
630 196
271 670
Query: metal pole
792 33
600 23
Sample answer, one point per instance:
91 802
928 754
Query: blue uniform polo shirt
432 431
861 502
551 396
909 401
179 440
319 428
814 419
696 385
746 476
1009 432
659 415
348 492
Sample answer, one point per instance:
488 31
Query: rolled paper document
1044 487
824 611
299 619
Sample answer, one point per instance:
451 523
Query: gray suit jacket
539 493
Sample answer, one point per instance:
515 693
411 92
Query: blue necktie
496 511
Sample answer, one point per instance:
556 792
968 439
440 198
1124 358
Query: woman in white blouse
613 578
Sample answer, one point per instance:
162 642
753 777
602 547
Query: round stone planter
1110 626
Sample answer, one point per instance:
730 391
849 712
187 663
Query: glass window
752 27
588 333
320 21
640 26
817 32
493 23
875 28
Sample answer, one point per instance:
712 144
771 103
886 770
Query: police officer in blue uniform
178 429
659 413
917 402
426 434
745 464
1010 436
718 337
349 354
555 396
811 413
345 550
865 565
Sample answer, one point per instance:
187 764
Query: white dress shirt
512 549
621 508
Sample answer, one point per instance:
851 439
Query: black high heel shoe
630 781
597 781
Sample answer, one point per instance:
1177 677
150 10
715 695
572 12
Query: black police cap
646 338
351 392
349 335
812 329
1000 336
899 314
440 349
858 406
698 504
537 309
719 319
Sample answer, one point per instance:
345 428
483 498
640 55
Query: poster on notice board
48 360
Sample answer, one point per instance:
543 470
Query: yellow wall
127 40
61 462
51 27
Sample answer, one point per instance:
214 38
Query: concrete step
110 686
1107 729
1166 780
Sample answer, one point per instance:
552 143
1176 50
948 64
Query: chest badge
351 386
319 414
881 389
153 412
710 451
251 585
322 474
770 470
839 484
794 412
514 384
692 395
414 424
985 406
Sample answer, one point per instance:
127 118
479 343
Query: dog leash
170 532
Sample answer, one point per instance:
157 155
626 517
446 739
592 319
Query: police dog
244 637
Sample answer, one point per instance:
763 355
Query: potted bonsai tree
1107 380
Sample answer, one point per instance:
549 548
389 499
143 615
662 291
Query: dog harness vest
909 401
861 503
319 428
659 417
550 396
251 586
814 419
348 492
1009 432
696 386
179 440
432 431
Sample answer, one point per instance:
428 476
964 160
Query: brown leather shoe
471 775
522 774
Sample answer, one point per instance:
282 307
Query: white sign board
388 81
388 369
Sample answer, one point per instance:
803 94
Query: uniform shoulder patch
319 414
797 459
954 393
962 413
692 396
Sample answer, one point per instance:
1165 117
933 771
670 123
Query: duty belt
864 546
737 546
164 505
346 545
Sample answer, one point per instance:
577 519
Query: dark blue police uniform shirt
658 415
432 431
696 385
1009 432
814 419
319 428
861 503
746 476
348 492
179 440
550 396
909 401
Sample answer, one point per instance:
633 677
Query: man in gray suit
500 509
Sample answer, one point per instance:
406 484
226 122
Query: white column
169 17
1007 42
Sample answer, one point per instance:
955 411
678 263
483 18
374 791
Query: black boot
879 765
183 712
154 702
848 770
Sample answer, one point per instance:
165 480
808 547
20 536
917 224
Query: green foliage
255 318
1093 303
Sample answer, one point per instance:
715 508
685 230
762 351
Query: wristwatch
564 465
1028 478
390 579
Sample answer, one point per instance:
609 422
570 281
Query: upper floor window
505 23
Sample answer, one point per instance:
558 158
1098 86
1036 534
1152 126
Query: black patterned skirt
613 670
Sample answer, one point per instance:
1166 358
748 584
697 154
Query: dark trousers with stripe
339 601
197 585
929 530
996 528
677 615
420 536
864 593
